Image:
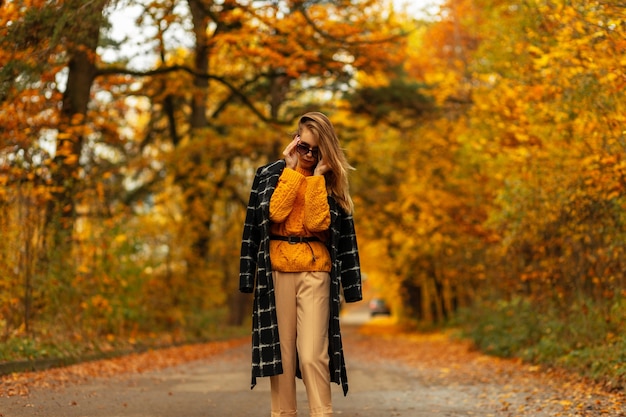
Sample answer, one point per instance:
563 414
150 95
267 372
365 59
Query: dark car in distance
378 306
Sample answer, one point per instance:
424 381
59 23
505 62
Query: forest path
390 374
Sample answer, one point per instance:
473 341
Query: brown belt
295 239
298 239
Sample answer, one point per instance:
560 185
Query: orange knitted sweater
299 207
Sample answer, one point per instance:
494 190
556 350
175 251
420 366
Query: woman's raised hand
321 168
290 153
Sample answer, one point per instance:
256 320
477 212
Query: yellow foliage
527 178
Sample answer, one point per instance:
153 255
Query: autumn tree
520 183
416 180
520 212
127 147
554 136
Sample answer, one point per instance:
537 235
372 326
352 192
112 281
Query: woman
299 243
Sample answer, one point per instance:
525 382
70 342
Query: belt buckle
292 240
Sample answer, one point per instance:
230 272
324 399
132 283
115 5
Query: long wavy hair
337 178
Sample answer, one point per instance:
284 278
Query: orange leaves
443 56
500 387
19 383
524 172
606 176
99 304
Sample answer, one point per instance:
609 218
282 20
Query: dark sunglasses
303 150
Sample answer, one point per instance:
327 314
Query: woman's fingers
291 146
321 168
289 153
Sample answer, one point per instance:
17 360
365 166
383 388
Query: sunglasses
302 149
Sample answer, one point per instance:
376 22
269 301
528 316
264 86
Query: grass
55 346
581 338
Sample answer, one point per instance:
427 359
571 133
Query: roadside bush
502 328
582 339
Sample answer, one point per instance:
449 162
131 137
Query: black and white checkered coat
255 263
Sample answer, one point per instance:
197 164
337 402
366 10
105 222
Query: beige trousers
302 307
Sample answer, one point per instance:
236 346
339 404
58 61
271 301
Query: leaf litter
21 383
508 387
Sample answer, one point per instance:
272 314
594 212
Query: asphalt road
380 386
220 387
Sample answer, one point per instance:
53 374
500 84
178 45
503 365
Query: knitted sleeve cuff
284 196
317 211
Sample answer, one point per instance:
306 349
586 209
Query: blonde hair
337 178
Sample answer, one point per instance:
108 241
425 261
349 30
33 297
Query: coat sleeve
348 255
250 241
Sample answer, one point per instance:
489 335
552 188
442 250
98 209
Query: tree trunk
190 178
81 38
72 127
201 65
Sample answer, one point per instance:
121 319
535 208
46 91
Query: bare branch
175 68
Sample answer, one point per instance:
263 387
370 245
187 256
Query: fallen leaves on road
508 387
21 383
503 387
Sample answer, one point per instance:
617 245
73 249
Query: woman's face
307 150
